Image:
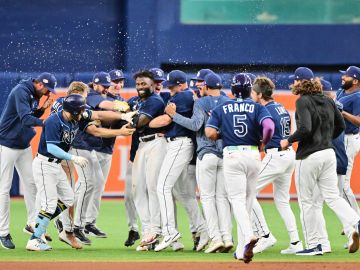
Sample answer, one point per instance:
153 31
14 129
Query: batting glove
81 161
128 117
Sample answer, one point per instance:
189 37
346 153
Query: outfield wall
116 182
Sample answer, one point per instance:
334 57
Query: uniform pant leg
139 189
23 166
8 158
178 156
352 147
65 217
102 175
207 168
129 200
84 189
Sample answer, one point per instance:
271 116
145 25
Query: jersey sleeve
94 100
52 130
262 114
215 119
356 106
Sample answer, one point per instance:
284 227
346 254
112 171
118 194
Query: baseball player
349 97
209 162
277 168
148 158
21 113
64 223
318 122
175 166
118 81
93 177
240 122
54 189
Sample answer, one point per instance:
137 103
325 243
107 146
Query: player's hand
128 117
170 109
339 105
284 144
127 130
81 161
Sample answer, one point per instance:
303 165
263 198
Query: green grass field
113 221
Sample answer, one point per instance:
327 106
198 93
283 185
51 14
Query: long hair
307 87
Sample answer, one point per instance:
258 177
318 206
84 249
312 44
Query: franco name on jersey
238 107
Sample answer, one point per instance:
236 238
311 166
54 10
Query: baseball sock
60 207
42 222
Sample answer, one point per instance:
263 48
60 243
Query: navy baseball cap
158 73
48 80
200 76
302 73
116 74
352 71
174 78
102 78
326 85
213 80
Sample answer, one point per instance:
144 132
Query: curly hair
77 87
144 74
264 86
307 87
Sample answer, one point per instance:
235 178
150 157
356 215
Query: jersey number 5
240 126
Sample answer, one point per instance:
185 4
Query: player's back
282 121
240 121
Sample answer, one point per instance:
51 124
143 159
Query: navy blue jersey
134 145
351 104
165 96
84 140
282 121
115 97
184 102
239 122
341 157
59 132
18 117
152 107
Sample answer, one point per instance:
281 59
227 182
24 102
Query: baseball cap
158 73
200 76
174 78
352 71
213 80
302 73
102 78
326 85
116 74
48 80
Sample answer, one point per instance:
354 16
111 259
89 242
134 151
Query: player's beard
347 85
144 93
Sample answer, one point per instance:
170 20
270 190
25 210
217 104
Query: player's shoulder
54 118
154 98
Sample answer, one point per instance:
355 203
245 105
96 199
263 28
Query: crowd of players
183 139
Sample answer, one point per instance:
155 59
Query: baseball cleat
149 239
167 241
292 249
80 236
311 251
132 237
228 245
196 239
92 230
354 242
177 246
204 240
70 239
248 251
28 229
37 244
6 242
214 246
264 243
